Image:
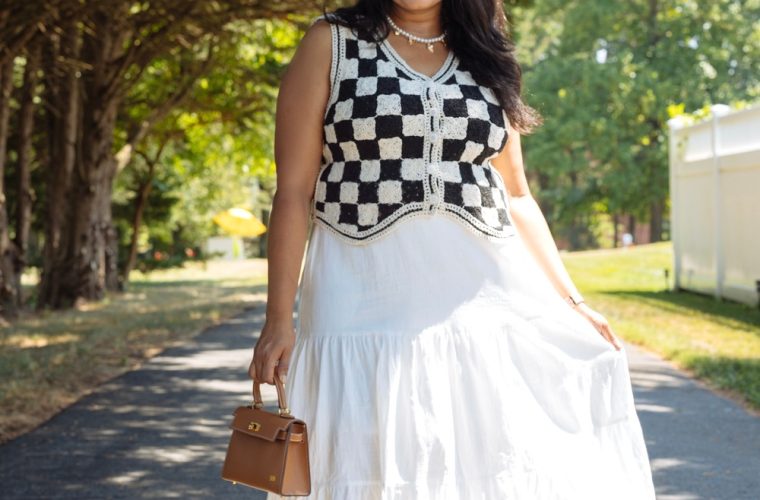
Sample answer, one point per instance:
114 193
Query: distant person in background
441 350
627 240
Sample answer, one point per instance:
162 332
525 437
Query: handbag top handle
281 401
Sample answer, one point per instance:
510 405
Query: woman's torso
400 144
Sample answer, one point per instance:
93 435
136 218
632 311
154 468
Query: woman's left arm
534 230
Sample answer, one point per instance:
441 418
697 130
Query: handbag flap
261 423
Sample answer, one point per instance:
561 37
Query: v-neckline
400 61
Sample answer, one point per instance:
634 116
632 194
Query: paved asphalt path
161 431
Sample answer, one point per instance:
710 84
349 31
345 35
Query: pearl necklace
414 38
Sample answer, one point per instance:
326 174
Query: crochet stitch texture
399 143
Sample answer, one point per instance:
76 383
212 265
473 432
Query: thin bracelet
574 299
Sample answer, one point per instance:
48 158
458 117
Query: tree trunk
140 202
90 254
84 263
655 225
615 231
63 102
9 294
24 149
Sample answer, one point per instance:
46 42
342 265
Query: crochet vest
398 143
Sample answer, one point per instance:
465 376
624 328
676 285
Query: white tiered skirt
437 364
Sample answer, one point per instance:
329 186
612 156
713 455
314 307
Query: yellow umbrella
240 222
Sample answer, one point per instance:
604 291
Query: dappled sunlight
75 350
162 428
655 379
212 270
654 408
204 359
667 463
28 341
127 478
180 455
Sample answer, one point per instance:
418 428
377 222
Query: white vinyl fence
715 203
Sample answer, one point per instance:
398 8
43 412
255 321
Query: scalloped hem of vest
508 232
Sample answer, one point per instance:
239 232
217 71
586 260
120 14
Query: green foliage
219 139
605 75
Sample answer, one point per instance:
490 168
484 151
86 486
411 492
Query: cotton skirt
436 363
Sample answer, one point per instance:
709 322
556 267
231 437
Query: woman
441 350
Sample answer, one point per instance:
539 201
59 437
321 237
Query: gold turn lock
272 477
254 426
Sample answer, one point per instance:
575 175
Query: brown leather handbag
268 451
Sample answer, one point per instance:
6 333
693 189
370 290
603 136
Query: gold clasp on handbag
254 426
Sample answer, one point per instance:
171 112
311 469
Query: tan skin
298 149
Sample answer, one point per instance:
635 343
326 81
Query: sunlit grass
718 341
49 359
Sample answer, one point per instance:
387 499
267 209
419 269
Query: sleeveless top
398 143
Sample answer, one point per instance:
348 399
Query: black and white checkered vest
398 144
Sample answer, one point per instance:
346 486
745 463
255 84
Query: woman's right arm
301 102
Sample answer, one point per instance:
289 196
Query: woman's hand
272 351
600 323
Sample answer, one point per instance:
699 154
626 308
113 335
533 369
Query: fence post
675 125
717 111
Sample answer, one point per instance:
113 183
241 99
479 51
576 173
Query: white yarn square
471 151
471 195
388 104
495 136
463 78
390 148
413 125
366 86
332 210
364 129
490 96
450 171
490 216
344 110
370 171
455 128
350 151
386 68
477 109
450 92
368 214
480 176
412 170
389 192
367 51
349 68
330 133
336 172
321 190
410 87
349 192
499 196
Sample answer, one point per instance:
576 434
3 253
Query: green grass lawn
717 341
50 359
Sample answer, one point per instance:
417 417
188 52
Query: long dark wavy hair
476 32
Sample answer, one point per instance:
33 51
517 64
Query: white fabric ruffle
433 364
